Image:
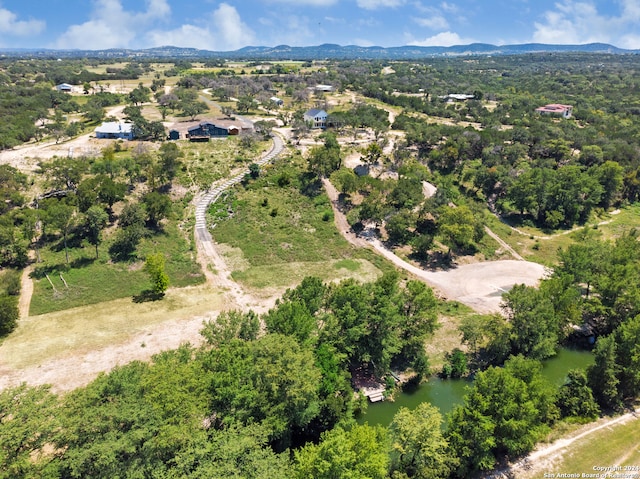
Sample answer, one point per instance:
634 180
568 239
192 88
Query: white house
115 130
317 118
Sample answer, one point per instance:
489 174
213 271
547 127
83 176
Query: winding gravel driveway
204 242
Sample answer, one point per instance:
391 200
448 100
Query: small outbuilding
277 101
174 135
115 130
324 88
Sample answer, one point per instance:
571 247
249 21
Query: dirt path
339 218
502 243
478 285
26 292
541 460
68 372
37 355
26 157
563 233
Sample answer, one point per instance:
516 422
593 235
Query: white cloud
10 25
449 7
442 39
630 41
224 30
435 22
298 31
230 29
375 4
576 22
111 26
313 3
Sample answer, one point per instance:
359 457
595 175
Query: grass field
542 246
91 281
274 234
88 328
615 445
205 163
447 337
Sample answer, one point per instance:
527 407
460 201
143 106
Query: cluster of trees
408 217
235 404
280 403
361 116
81 202
9 292
551 172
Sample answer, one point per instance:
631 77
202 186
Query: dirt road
478 285
543 458
26 157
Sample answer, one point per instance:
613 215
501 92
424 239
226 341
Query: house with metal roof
64 88
207 129
115 130
556 109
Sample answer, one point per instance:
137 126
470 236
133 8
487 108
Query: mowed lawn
278 229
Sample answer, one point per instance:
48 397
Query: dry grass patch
76 331
272 280
615 445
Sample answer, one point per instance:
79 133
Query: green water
448 393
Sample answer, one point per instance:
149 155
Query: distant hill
326 51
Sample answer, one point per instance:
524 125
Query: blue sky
232 24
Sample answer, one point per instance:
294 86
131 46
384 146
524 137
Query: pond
448 393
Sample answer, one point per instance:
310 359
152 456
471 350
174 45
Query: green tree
155 268
505 413
603 374
357 453
575 398
170 156
458 227
245 103
291 318
610 176
95 221
231 325
139 95
61 216
323 160
9 314
157 206
28 421
628 357
192 108
272 381
534 325
418 448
